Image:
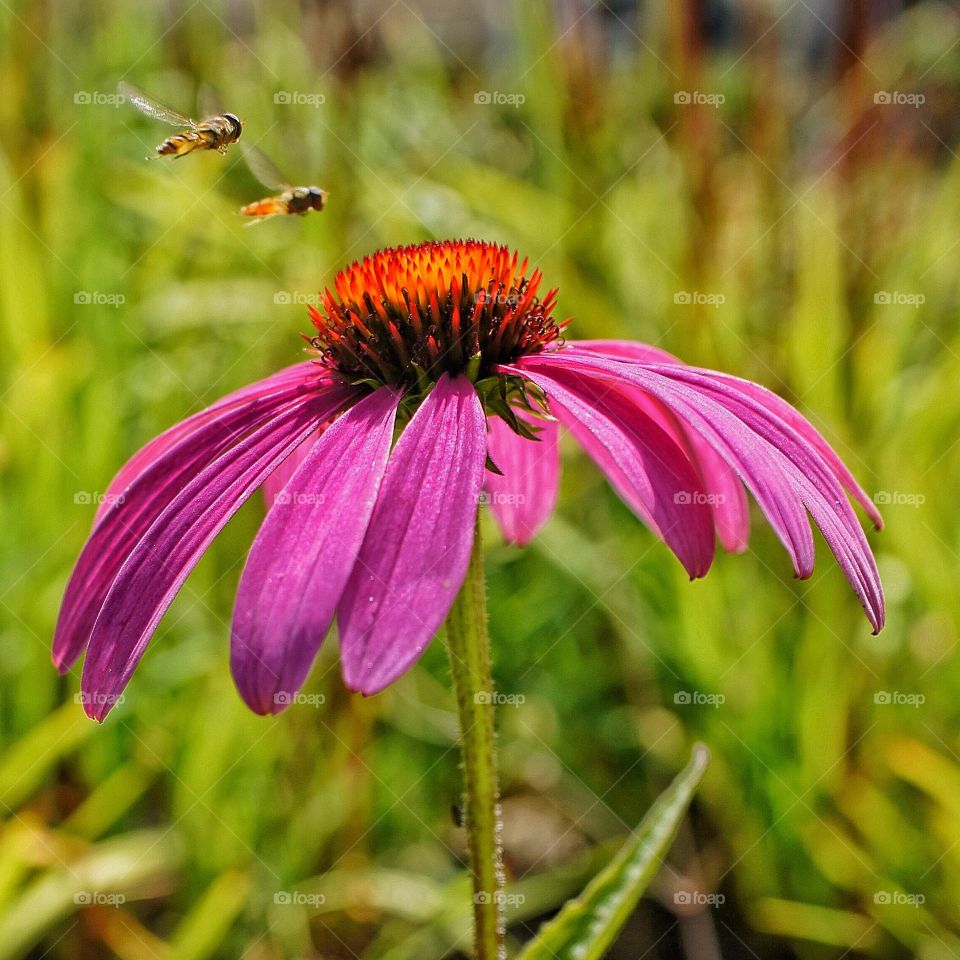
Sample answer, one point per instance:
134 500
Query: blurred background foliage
810 219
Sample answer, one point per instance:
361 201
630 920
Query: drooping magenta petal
759 465
417 548
643 462
274 484
164 556
148 493
724 490
523 497
731 511
159 445
820 489
622 350
787 473
798 422
304 553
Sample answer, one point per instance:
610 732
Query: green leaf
586 927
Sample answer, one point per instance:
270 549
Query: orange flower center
406 315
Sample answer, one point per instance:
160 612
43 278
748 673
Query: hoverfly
215 132
292 200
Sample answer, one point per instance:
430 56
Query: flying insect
291 200
215 132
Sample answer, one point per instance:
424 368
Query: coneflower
439 379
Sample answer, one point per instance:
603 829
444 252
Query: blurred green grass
799 200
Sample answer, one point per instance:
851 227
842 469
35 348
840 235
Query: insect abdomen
183 143
264 208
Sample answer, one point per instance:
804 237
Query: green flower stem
469 648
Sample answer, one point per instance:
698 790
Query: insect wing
152 107
264 169
209 102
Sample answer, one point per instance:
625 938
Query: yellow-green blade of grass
119 869
587 926
201 934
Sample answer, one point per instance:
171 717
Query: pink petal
417 548
798 422
783 468
160 562
642 461
820 489
523 498
152 451
150 490
625 350
304 552
731 512
274 484
722 485
758 464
